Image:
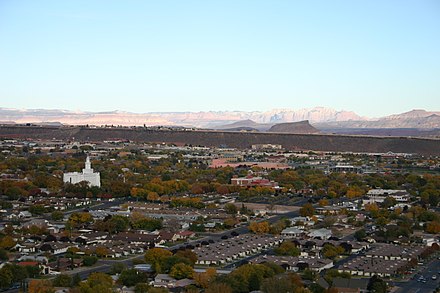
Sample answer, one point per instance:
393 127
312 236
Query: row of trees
267 277
114 223
179 265
246 278
136 176
14 274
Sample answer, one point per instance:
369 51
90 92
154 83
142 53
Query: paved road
414 286
84 272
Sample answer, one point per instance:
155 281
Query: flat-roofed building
379 195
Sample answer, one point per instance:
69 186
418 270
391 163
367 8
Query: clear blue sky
372 57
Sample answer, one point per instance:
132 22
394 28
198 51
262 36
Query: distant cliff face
317 142
317 114
302 127
320 117
197 119
419 119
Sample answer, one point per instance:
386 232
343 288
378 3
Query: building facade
87 174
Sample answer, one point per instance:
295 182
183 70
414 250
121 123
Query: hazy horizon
374 58
206 111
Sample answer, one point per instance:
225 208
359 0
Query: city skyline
376 58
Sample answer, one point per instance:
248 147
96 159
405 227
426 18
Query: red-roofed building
28 263
43 269
186 234
251 181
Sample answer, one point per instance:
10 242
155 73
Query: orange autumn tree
40 286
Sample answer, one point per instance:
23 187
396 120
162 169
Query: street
413 285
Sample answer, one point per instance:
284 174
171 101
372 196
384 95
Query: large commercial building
87 174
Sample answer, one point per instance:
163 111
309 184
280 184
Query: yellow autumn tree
259 228
152 196
156 257
7 242
371 207
323 202
354 191
433 227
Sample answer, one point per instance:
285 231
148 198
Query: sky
372 57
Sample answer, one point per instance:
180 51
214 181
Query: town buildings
252 181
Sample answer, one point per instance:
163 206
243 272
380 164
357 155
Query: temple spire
88 167
88 164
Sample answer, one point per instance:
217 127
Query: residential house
351 285
322 233
293 263
292 232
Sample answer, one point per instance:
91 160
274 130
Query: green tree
57 215
156 257
181 271
119 223
389 202
307 210
282 283
331 252
277 269
148 224
117 268
89 260
219 288
231 208
360 235
141 288
247 277
97 282
5 278
316 288
131 277
76 280
33 271
287 248
81 219
332 273
158 290
308 274
37 209
377 285
62 280
188 254
4 254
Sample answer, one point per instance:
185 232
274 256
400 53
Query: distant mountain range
324 119
197 119
412 119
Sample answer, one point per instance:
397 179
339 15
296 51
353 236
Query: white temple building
87 174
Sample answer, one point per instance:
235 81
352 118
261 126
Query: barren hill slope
302 127
317 142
